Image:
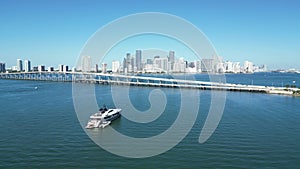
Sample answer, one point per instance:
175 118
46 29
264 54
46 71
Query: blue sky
54 32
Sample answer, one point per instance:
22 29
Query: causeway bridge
118 79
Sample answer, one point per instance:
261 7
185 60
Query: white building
65 68
248 67
116 66
228 66
50 69
161 64
41 68
104 67
198 65
86 64
60 68
236 67
27 65
19 65
180 66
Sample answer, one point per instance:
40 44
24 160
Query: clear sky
53 32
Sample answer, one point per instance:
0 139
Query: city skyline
138 63
239 30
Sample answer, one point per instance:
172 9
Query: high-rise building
116 66
124 65
128 63
207 65
104 67
229 67
161 64
19 65
149 61
180 66
171 60
65 68
96 68
27 65
50 69
2 67
236 67
86 64
198 66
60 68
41 68
132 66
138 60
248 67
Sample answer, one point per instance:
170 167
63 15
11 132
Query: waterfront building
124 65
19 65
236 67
171 56
104 67
127 66
86 64
50 69
191 67
65 68
198 66
116 66
248 67
96 68
2 67
60 68
161 64
207 65
35 68
180 66
171 60
27 65
138 60
149 61
41 68
132 65
228 66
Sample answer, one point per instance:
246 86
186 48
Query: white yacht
103 118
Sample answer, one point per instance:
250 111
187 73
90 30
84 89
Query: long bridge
118 79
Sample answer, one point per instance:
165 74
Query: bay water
39 128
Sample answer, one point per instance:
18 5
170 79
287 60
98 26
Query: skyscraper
207 65
116 66
124 65
171 60
161 64
96 68
127 62
66 68
27 65
2 67
19 65
104 67
132 65
171 56
86 64
138 60
248 67
60 68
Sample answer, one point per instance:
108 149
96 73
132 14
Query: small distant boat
35 87
103 118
